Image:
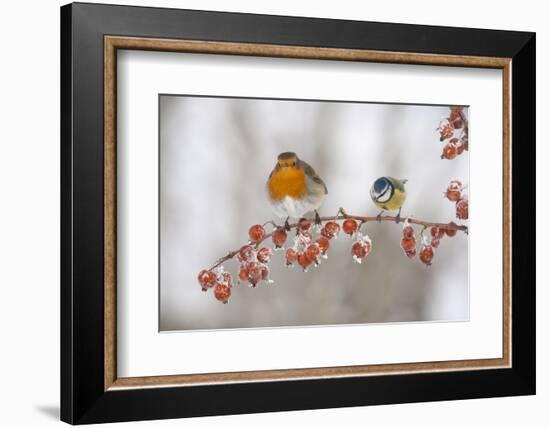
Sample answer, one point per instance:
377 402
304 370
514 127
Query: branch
342 215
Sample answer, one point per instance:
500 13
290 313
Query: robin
294 188
389 193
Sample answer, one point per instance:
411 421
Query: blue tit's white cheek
385 195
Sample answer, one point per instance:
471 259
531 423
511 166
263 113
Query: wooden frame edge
109 197
112 43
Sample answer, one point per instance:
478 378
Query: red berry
304 225
279 237
360 249
451 232
458 123
246 253
426 254
222 292
408 244
304 261
312 252
323 244
459 147
455 113
408 232
330 230
207 279
411 254
453 190
465 142
243 274
256 232
435 242
264 255
462 209
437 232
349 226
254 274
449 151
291 256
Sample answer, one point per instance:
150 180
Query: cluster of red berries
220 280
305 251
454 129
454 193
427 249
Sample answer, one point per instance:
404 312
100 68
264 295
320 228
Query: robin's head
287 160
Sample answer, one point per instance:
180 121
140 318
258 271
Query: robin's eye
293 163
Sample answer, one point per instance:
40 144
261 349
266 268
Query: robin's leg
317 218
398 216
379 216
287 226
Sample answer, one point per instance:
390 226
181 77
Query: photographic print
287 212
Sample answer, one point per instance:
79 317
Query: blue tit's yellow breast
395 202
289 181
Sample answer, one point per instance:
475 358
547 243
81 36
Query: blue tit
389 194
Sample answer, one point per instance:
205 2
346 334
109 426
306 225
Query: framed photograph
265 213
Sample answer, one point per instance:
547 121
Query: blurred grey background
215 157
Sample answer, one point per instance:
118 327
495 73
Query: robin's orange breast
287 182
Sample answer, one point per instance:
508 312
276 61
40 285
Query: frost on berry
451 232
408 241
408 231
207 279
279 237
254 273
304 261
456 113
330 230
411 254
445 129
313 252
323 244
449 151
426 254
458 123
265 272
361 248
454 190
408 244
435 242
256 233
291 256
349 226
222 292
437 232
462 209
246 253
304 225
264 255
243 273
